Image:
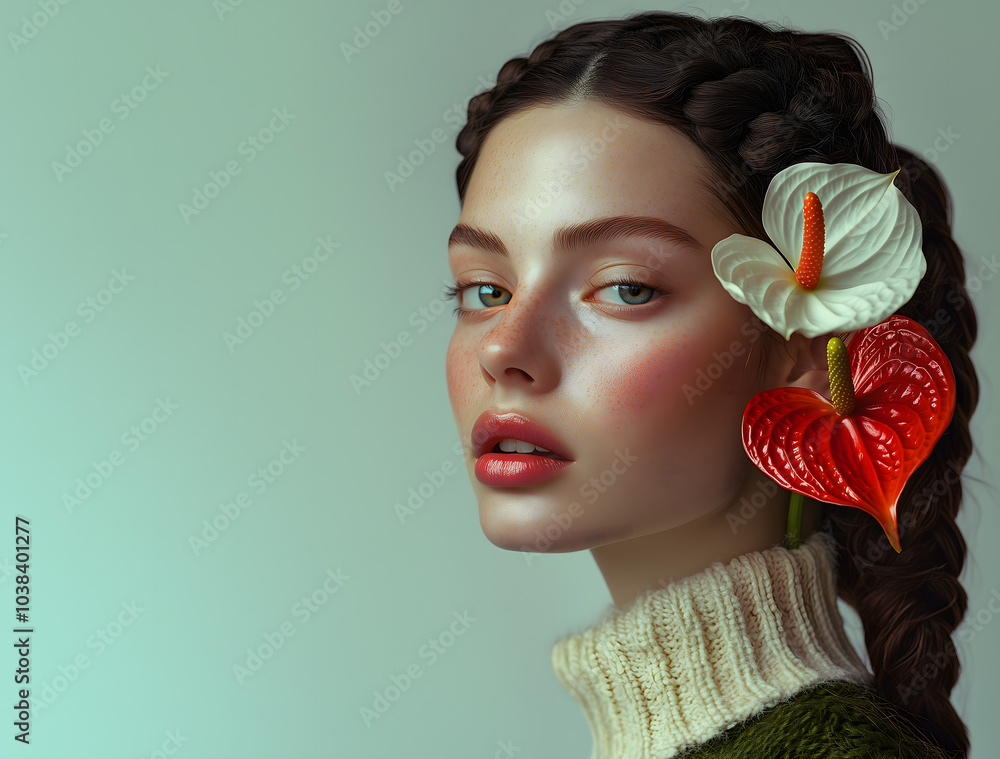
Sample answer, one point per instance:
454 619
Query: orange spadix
813 239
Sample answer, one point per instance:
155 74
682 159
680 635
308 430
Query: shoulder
837 720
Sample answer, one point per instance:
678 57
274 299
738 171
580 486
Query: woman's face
646 387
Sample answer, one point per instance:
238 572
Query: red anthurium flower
888 409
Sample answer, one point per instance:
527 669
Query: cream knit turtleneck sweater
685 662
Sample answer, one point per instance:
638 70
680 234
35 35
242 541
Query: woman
597 178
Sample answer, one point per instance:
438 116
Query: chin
520 524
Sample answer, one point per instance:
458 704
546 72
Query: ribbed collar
685 662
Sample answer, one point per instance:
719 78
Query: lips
490 428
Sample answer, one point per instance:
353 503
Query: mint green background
333 507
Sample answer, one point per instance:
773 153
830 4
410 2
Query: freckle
463 374
629 381
567 341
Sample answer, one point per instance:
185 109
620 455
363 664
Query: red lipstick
499 469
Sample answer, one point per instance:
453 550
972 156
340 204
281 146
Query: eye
484 292
633 292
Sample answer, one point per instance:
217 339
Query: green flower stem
793 534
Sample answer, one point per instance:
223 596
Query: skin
605 369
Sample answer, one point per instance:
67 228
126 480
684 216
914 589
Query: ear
807 366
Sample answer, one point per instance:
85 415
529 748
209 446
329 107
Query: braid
756 99
523 82
911 602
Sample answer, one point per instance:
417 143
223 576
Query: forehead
588 153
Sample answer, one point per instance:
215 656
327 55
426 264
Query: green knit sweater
746 659
830 721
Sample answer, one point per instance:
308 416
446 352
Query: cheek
463 374
680 392
681 368
645 377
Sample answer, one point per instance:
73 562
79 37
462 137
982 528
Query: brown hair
757 98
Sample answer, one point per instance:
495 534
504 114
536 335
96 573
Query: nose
519 351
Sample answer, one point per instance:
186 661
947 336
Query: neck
755 519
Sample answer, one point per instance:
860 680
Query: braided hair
757 98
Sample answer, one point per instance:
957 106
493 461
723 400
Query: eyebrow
585 233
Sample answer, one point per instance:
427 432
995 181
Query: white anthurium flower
865 245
